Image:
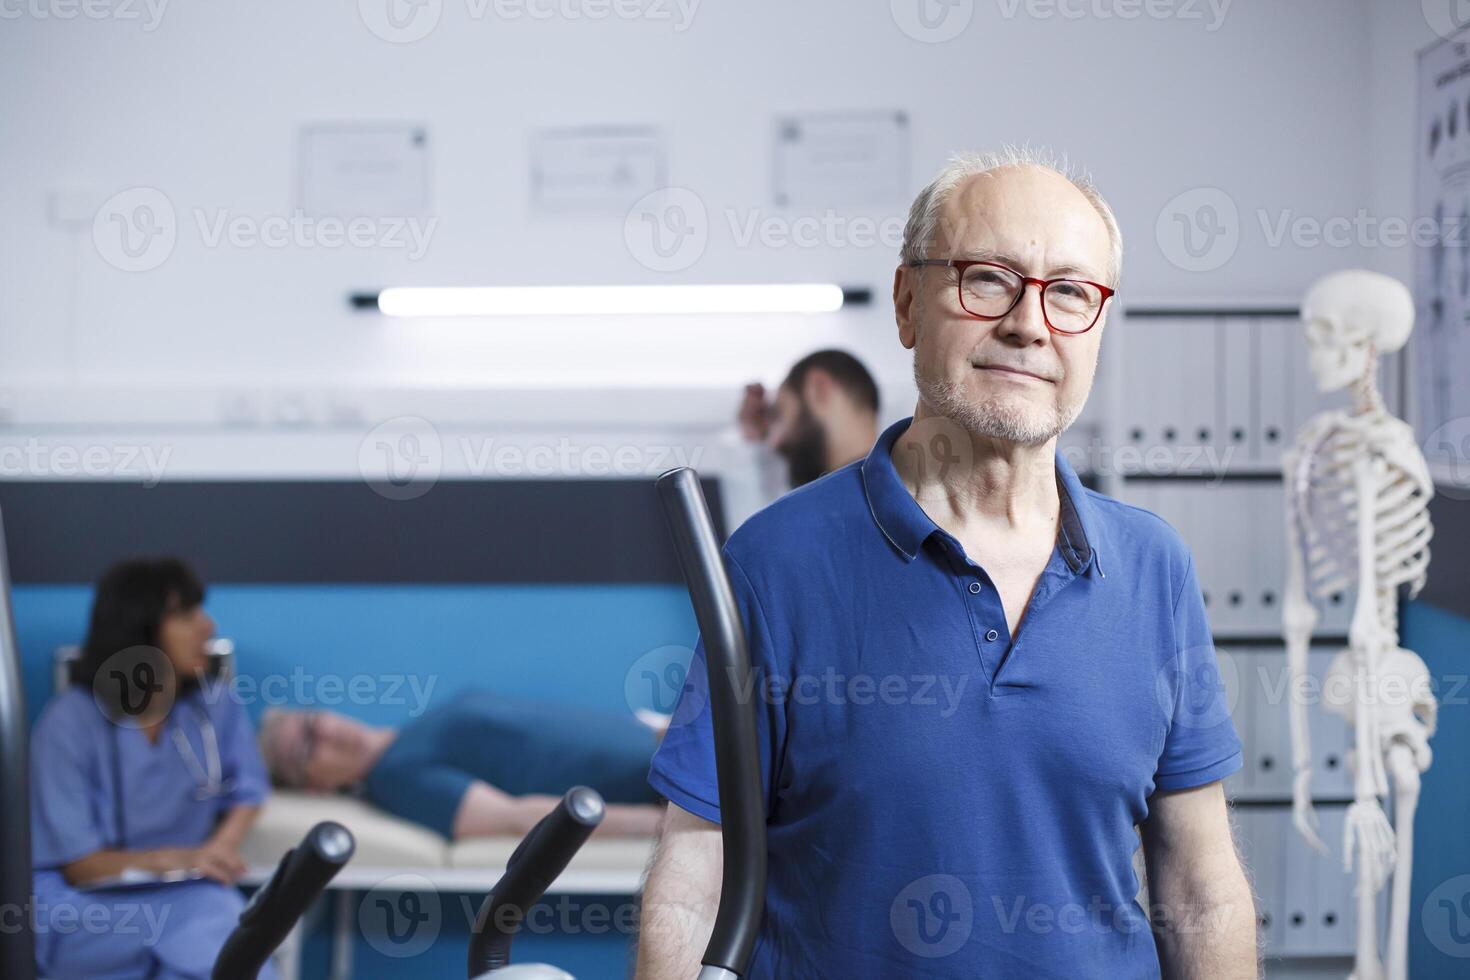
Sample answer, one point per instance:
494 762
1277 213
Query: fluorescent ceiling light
414 301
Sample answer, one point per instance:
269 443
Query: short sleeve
426 794
65 824
1201 745
683 768
243 769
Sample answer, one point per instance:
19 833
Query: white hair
922 228
269 742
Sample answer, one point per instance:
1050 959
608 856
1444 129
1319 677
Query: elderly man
975 676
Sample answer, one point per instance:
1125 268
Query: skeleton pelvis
1396 687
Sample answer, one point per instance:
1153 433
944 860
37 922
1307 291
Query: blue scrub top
944 799
516 745
77 755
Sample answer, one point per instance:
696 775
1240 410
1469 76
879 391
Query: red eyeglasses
989 291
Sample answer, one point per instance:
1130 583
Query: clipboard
138 878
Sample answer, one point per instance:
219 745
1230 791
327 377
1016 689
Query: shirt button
991 635
974 588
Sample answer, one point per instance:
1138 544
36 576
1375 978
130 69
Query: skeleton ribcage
1329 521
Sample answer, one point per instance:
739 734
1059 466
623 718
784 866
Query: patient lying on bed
476 765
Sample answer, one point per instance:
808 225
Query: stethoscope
208 773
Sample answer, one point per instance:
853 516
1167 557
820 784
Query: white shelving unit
1202 402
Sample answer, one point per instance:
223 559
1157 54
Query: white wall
1398 32
1268 106
247 360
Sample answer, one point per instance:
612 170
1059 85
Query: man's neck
847 443
1001 487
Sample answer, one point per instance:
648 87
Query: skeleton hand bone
1368 826
1303 814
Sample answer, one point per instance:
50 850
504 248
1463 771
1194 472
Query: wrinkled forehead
1031 217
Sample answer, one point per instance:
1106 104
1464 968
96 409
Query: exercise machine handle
737 760
541 857
278 905
17 942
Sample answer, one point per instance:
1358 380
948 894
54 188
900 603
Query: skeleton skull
1350 318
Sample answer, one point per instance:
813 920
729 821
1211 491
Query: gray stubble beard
990 416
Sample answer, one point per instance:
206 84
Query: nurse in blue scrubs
146 766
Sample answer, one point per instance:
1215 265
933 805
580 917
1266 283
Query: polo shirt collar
906 526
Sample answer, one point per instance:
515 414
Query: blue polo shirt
944 799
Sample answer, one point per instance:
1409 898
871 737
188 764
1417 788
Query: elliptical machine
306 869
545 852
17 940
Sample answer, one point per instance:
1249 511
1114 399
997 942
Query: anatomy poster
1440 344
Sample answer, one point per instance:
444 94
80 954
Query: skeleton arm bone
1299 617
1367 824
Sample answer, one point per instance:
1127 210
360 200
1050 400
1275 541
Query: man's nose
1026 323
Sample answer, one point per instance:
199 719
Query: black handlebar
17 943
277 906
542 856
545 852
737 761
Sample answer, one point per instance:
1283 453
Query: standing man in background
824 416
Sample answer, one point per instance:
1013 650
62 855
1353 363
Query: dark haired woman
142 772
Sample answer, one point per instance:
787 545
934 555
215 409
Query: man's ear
816 389
905 305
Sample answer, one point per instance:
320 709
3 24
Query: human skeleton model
1336 543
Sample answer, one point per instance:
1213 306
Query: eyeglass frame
310 722
960 265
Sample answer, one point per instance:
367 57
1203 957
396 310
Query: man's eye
988 284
